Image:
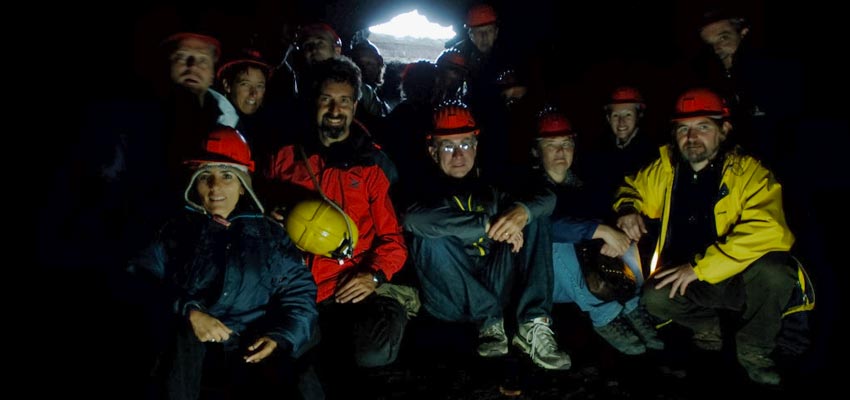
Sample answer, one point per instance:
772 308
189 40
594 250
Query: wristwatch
379 277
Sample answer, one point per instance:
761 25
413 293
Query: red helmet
626 94
224 145
452 58
480 15
700 102
252 57
551 123
319 29
451 118
175 39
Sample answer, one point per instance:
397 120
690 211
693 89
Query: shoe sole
706 345
497 353
526 348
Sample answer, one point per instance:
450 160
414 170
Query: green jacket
748 212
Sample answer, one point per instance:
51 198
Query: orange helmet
452 118
700 102
452 58
480 15
551 123
626 94
224 145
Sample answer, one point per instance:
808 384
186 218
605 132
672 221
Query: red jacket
360 187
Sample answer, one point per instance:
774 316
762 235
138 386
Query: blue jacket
246 273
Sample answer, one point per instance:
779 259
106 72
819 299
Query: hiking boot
710 340
492 340
619 333
645 328
759 367
536 339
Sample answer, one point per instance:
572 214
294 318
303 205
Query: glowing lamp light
653 263
412 24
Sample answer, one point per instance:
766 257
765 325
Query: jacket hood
240 171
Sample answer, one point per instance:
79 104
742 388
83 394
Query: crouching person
473 246
616 318
241 300
724 241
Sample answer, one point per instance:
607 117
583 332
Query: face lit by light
623 120
724 39
335 108
247 90
699 139
219 189
192 65
556 154
484 37
455 154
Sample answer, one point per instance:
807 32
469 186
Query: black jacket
247 274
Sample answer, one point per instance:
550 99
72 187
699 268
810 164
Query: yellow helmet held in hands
317 227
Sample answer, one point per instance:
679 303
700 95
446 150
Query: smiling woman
219 189
221 175
201 264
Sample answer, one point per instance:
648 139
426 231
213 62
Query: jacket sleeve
295 318
539 203
645 191
444 220
530 191
149 268
572 230
758 229
388 249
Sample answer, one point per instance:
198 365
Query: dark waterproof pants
193 369
760 293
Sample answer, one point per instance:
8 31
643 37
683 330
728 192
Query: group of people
487 249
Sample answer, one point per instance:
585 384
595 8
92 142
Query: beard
695 153
331 131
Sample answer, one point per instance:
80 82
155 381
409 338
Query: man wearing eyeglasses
473 244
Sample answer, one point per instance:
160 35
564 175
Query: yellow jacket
748 215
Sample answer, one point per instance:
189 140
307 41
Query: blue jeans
570 285
455 286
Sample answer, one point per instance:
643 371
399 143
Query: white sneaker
493 341
536 339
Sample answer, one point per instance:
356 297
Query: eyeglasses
450 148
566 145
